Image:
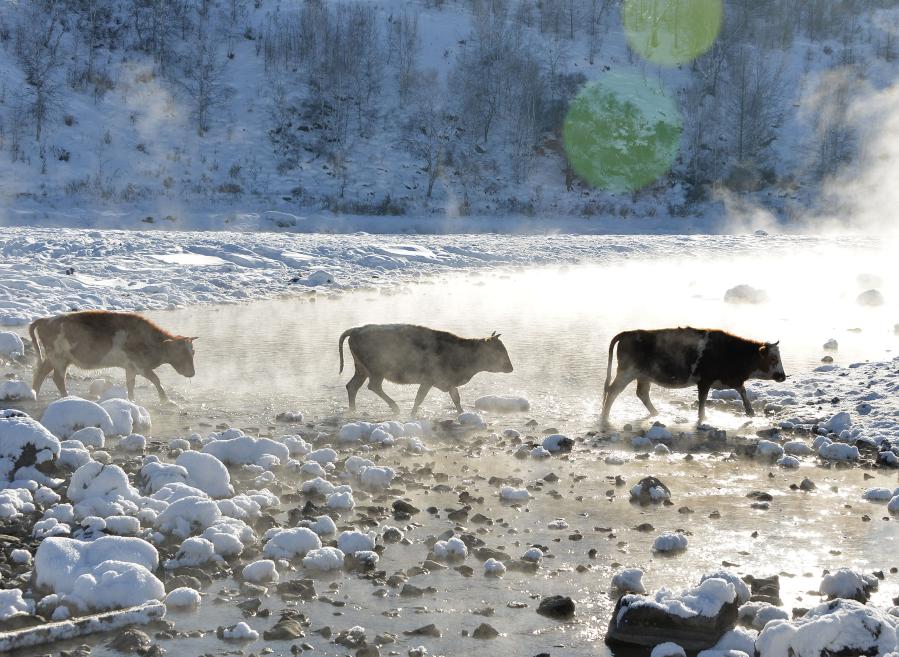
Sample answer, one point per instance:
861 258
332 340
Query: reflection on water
555 322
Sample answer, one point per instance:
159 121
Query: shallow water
255 360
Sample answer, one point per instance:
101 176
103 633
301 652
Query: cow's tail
605 388
35 342
343 336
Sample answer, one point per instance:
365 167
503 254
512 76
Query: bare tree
37 47
404 43
598 10
756 91
204 78
430 130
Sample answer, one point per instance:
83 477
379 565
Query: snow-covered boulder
13 604
324 559
90 437
15 501
60 561
16 391
115 585
629 580
351 542
101 490
245 450
127 417
502 404
838 451
839 422
65 416
290 543
11 346
452 549
375 477
182 597
206 472
188 516
670 542
154 475
512 494
24 444
839 627
472 420
849 584
557 442
193 551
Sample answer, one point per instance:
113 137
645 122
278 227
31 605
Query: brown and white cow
404 353
97 339
682 357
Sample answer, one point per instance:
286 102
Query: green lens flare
671 32
621 133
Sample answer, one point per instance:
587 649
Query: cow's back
403 353
94 339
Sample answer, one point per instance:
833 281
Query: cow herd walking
408 354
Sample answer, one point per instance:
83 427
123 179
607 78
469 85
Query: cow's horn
774 344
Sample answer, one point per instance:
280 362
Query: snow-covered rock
127 417
24 444
767 449
472 420
846 583
668 649
13 604
206 472
512 494
502 404
16 391
65 416
188 516
262 570
629 580
351 542
290 543
183 597
453 548
11 346
745 294
324 559
557 443
193 551
494 568
90 437
670 542
102 490
134 442
244 450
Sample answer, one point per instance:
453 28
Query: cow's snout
780 377
508 368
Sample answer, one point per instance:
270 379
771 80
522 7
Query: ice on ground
837 627
65 416
60 561
668 649
629 580
24 444
183 597
16 391
206 472
11 346
670 542
262 570
502 404
350 542
13 604
512 494
290 543
127 417
188 516
324 559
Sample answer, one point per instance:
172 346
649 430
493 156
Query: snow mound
183 597
629 580
374 477
511 494
262 570
324 559
11 346
193 551
246 450
127 417
494 568
101 490
557 443
60 561
472 420
65 416
115 585
842 627
670 542
745 294
206 472
350 542
24 444
707 599
290 543
502 404
849 584
13 604
188 516
453 548
838 451
90 437
16 391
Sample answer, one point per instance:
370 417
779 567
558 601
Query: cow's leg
374 384
59 377
41 371
454 395
703 389
423 390
745 398
353 385
622 380
643 395
150 376
130 379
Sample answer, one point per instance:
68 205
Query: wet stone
485 631
556 606
131 640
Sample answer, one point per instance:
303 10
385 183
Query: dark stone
556 606
485 631
131 640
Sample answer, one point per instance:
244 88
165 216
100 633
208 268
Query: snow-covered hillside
188 114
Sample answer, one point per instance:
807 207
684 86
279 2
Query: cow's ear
192 338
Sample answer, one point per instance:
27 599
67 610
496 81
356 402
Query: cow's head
179 354
771 366
494 357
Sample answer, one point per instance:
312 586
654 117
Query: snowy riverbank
49 270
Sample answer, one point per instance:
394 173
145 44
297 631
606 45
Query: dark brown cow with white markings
683 357
403 353
97 339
